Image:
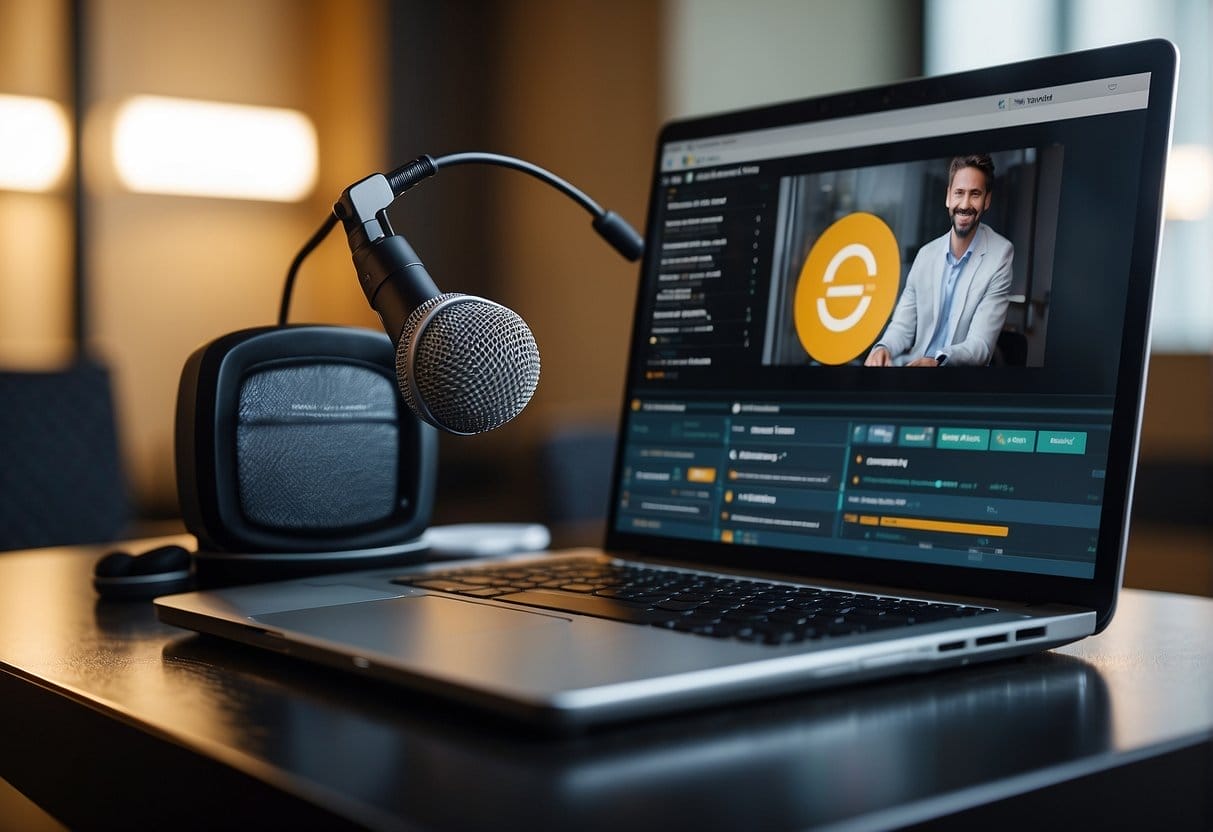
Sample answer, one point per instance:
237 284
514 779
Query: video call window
846 241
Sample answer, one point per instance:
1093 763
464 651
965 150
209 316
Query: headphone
121 576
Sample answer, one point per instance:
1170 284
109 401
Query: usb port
951 645
984 640
1029 632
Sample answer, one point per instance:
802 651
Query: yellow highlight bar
701 475
868 520
944 526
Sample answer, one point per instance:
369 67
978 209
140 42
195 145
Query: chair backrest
1012 349
61 479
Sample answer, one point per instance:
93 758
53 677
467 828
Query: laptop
881 414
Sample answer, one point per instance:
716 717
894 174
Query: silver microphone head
465 364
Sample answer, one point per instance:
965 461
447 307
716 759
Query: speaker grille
317 447
475 364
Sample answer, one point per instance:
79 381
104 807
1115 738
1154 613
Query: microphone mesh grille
474 363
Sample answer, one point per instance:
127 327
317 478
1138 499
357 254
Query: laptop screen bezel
1157 57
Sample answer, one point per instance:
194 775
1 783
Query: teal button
916 437
1061 442
1015 441
964 439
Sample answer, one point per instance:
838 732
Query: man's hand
878 357
923 362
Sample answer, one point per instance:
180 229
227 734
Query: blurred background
116 244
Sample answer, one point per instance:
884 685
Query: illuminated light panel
34 143
1189 189
205 148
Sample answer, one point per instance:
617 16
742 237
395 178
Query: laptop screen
899 324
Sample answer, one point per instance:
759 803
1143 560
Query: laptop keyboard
709 605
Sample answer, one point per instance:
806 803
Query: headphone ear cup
114 565
120 576
163 559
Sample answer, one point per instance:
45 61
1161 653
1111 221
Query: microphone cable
284 307
612 227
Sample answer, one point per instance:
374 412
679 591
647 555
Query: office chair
1011 350
61 479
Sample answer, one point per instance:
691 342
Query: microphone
464 364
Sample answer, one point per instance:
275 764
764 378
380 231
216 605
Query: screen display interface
890 335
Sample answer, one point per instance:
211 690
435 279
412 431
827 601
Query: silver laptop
881 416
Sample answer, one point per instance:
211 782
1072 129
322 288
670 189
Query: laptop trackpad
404 626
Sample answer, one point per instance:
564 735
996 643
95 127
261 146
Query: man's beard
971 213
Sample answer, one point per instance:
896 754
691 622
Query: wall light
205 148
1189 187
34 143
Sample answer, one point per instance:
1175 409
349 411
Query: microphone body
464 364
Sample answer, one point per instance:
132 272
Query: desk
111 718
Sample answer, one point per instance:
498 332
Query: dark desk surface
110 718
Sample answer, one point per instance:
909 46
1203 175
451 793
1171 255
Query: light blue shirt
952 269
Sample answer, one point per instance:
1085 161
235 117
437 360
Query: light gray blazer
983 291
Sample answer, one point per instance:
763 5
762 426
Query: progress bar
949 526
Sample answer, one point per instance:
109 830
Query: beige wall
35 280
35 229
1178 420
722 54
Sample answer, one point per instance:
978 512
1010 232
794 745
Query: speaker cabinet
293 446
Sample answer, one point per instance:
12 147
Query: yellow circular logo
847 288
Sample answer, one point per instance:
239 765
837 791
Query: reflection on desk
812 759
244 736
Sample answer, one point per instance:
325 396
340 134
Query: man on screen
955 299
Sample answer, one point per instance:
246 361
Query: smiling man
955 299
